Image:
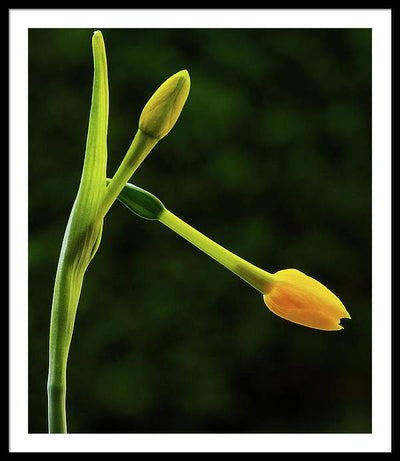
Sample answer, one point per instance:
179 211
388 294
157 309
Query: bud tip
164 107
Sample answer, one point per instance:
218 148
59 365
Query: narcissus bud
163 109
301 299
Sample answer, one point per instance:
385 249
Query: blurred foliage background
271 157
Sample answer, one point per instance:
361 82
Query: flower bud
301 299
163 109
141 202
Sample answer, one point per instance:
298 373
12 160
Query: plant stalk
140 147
251 274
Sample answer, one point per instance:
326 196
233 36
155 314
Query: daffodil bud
163 109
301 299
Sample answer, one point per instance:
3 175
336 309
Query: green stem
251 274
81 240
65 302
56 409
141 146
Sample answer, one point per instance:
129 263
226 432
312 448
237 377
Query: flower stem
251 274
81 239
65 302
141 146
56 408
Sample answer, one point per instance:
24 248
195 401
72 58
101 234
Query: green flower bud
141 202
163 109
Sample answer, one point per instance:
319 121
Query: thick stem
67 291
251 274
56 394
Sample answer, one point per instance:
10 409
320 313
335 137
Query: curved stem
251 274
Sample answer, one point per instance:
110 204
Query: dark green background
271 158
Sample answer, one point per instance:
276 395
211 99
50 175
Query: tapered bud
141 202
301 299
163 109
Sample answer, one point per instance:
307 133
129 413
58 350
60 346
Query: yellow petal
301 299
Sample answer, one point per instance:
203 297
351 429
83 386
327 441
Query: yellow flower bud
163 109
301 299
